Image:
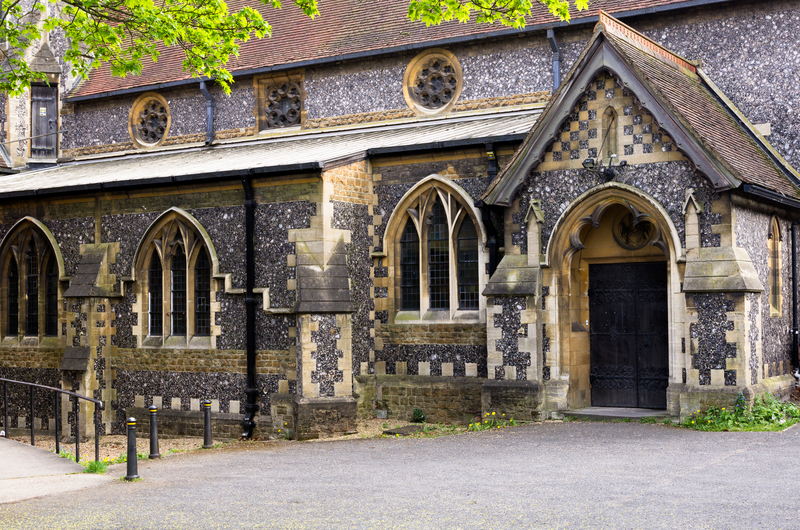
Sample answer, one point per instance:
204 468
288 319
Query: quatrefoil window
149 120
432 82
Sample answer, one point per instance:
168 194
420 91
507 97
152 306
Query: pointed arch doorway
614 262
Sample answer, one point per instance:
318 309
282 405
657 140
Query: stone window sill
444 317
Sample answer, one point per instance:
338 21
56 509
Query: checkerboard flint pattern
581 137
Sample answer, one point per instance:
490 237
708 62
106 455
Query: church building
459 219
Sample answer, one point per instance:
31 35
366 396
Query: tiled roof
710 119
345 27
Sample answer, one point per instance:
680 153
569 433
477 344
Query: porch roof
307 151
718 138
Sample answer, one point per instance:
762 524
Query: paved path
27 472
552 475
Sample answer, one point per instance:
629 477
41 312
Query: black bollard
207 424
154 433
133 472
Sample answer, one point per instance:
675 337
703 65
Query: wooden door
44 121
628 335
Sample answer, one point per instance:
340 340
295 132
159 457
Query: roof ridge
612 24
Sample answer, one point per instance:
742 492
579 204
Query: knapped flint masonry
418 222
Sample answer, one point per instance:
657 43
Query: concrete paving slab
28 472
21 460
616 413
20 489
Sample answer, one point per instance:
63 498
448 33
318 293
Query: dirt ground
113 446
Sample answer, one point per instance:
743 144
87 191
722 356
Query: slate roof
704 113
306 151
345 28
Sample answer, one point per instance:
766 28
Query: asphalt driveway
552 475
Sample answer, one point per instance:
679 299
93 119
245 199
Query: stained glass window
51 298
409 267
467 265
31 291
438 259
156 302
178 309
202 295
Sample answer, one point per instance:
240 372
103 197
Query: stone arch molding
430 184
178 226
20 227
588 210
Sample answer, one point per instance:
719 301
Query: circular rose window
149 120
432 82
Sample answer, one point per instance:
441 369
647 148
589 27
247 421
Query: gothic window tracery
280 101
432 82
149 120
31 283
437 254
176 273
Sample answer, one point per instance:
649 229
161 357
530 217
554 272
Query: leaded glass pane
31 291
13 298
179 292
51 298
438 259
467 266
202 294
409 267
156 302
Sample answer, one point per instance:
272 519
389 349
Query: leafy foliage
417 416
123 33
766 414
506 12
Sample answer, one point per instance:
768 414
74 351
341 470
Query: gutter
466 39
161 181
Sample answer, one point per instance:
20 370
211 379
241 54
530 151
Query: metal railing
98 406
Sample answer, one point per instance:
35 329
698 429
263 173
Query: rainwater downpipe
551 38
252 393
210 105
795 338
486 218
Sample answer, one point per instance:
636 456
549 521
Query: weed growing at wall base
767 413
492 421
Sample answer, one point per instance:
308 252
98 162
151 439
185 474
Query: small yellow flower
493 413
692 421
709 421
286 424
723 408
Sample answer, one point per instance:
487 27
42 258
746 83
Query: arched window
409 266
774 247
31 291
155 296
202 294
175 267
467 265
434 249
13 298
32 273
51 298
438 259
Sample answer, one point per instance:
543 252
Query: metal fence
98 406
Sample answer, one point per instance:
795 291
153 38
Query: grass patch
766 413
97 467
648 419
